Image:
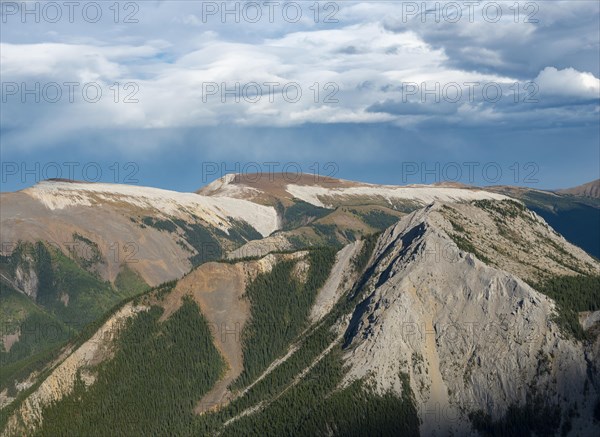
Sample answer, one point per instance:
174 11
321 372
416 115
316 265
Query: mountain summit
307 307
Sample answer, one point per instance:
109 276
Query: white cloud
69 61
367 57
568 83
327 66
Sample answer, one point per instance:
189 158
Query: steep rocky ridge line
471 337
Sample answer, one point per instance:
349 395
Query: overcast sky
380 91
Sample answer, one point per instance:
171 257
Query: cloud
569 83
413 108
526 37
352 71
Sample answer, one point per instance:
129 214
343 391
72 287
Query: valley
412 310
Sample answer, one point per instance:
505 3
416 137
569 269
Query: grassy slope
280 304
180 360
39 333
316 405
47 324
159 371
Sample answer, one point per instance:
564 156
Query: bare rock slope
591 189
448 299
475 339
158 233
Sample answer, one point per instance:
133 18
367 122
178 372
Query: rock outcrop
474 339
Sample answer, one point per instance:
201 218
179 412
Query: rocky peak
473 338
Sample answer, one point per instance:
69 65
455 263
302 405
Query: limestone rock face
26 280
471 337
448 301
112 217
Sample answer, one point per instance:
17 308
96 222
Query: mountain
363 309
76 249
469 327
317 210
327 192
591 189
574 216
162 232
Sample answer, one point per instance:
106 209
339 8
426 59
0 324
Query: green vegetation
89 329
504 212
360 261
317 339
130 281
241 232
160 224
457 226
161 290
300 214
202 240
280 303
19 370
536 417
315 407
328 234
39 362
87 255
376 219
506 208
161 369
310 345
150 387
465 245
74 295
198 236
298 241
68 298
572 294
455 218
203 237
560 255
37 331
69 292
45 273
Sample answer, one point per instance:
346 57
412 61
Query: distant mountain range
591 189
575 216
285 305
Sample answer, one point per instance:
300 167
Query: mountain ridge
355 300
590 189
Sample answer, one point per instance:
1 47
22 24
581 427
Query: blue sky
385 92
